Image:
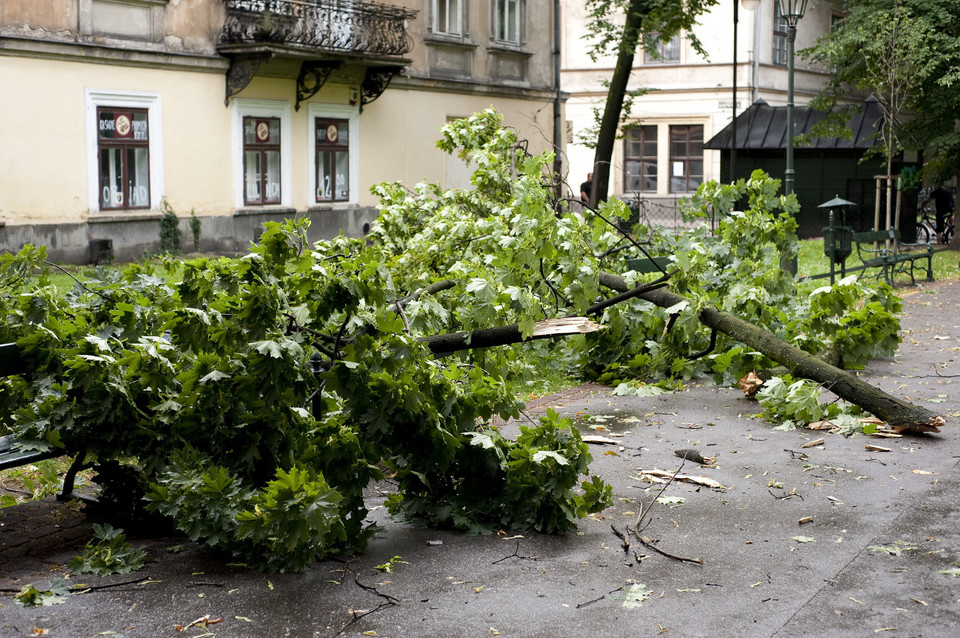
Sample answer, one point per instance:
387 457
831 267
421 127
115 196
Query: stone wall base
129 237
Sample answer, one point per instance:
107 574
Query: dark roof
764 127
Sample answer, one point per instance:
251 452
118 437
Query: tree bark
610 123
504 335
901 416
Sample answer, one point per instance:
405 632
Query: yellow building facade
247 111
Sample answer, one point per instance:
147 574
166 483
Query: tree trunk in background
610 124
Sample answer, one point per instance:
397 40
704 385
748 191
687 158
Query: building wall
690 90
64 58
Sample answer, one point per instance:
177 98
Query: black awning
764 127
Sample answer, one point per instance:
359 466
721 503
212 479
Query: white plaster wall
694 89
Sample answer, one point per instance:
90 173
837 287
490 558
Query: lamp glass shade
750 5
792 8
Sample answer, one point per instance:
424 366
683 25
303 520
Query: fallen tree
900 415
192 387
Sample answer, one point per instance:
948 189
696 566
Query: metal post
558 129
788 174
733 146
833 246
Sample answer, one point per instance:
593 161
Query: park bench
649 264
884 250
13 452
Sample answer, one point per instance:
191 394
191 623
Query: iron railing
343 26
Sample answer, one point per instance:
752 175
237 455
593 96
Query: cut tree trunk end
901 416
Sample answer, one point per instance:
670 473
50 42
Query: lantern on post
837 240
792 12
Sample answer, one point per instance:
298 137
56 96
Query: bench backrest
876 236
652 264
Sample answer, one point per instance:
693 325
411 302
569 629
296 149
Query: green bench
13 452
649 264
884 250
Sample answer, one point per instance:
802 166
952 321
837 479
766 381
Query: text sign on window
115 125
124 158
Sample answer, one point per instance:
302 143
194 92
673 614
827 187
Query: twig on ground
625 544
389 601
646 510
649 545
515 554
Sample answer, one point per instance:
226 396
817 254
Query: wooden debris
598 440
902 416
750 384
876 448
661 476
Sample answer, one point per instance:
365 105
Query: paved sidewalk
882 526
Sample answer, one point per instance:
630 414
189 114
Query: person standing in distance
586 189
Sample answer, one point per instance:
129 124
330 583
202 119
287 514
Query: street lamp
791 11
749 5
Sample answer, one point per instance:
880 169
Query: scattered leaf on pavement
635 595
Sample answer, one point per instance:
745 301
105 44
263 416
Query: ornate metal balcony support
241 71
375 82
313 75
333 26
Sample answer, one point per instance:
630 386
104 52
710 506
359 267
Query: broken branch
902 416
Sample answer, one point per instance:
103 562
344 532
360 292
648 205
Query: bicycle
927 228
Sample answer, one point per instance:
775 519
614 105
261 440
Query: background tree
906 53
618 27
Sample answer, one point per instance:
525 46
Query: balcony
311 39
331 26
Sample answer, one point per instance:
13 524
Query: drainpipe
756 55
558 101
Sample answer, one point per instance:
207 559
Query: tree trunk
901 416
610 124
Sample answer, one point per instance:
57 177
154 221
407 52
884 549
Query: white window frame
262 108
448 29
94 98
779 52
656 53
351 114
500 6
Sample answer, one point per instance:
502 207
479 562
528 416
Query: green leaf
539 457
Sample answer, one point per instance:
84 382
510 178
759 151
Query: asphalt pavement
832 539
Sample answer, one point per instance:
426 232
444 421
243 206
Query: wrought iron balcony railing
341 26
